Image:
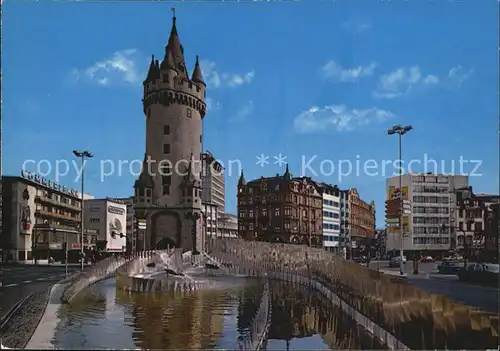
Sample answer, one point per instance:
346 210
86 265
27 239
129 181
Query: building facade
210 219
331 217
39 217
131 230
361 220
109 219
476 231
227 226
168 193
345 238
280 209
212 180
429 223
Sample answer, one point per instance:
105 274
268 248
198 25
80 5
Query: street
19 281
485 298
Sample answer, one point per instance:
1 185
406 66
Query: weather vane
173 11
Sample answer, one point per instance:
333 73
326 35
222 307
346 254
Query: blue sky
303 79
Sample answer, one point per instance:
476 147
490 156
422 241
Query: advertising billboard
116 218
393 209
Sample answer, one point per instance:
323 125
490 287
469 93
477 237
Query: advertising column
116 228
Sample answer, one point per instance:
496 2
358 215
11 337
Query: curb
41 315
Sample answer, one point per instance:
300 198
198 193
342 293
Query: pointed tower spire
287 174
242 180
197 77
175 48
153 72
145 180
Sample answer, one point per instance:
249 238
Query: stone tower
168 191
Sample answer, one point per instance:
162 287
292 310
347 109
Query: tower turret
191 183
287 174
197 77
144 184
153 72
174 48
242 181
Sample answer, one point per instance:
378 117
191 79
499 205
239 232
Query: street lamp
82 155
400 131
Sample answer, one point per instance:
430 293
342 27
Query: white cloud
216 79
121 66
401 81
244 111
338 117
335 72
212 105
457 75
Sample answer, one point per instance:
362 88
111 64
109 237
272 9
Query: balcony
47 200
46 214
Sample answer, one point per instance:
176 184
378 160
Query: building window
276 212
166 148
201 139
166 130
166 180
287 226
264 212
94 220
264 200
250 226
242 214
288 211
189 113
166 189
250 213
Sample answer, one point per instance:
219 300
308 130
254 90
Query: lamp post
194 216
82 155
400 131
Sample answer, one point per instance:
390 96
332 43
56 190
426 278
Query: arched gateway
166 228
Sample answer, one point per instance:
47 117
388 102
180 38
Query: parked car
450 267
480 273
396 261
427 259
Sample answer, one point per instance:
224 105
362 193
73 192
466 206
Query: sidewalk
43 263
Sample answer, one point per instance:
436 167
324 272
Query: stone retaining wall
418 319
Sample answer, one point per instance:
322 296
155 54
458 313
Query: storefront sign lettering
116 210
35 178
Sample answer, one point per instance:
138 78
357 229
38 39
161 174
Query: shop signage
116 210
35 178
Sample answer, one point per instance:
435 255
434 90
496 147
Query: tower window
166 148
189 113
166 180
166 130
166 189
201 138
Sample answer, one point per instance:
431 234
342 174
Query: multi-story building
109 219
428 225
345 238
227 226
39 216
476 228
212 181
331 217
361 220
280 209
131 226
210 219
168 193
